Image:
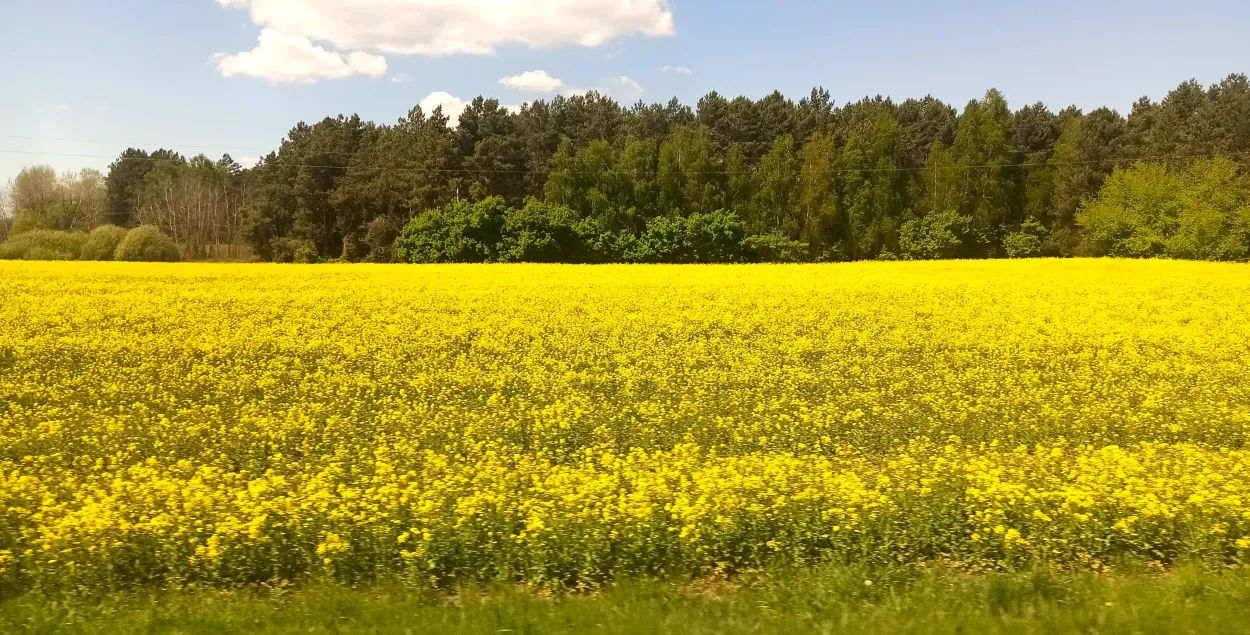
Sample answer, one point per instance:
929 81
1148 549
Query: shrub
458 232
299 250
1201 211
1025 243
775 248
147 243
935 235
380 235
715 237
664 240
25 222
306 253
102 242
540 232
43 244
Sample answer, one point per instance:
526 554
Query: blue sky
91 78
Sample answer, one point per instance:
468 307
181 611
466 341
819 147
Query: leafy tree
776 201
984 155
458 232
1200 212
637 184
818 197
932 236
688 173
872 187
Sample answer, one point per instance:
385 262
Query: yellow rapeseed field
226 424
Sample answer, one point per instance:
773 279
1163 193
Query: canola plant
197 424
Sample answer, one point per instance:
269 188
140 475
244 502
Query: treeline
200 203
584 179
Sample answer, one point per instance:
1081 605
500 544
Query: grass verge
826 600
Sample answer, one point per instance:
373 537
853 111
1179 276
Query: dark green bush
459 232
102 242
147 243
294 250
540 232
934 235
774 248
715 237
43 244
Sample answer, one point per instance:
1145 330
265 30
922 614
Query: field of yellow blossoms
225 424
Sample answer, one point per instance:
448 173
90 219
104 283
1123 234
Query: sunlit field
218 425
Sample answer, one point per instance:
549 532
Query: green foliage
932 236
664 240
24 222
43 244
714 237
775 248
776 200
380 235
1200 212
1026 242
102 242
872 186
984 154
840 179
458 232
540 232
845 599
146 243
489 231
288 250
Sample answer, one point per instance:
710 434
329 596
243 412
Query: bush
288 250
1197 212
1025 243
458 232
147 243
380 235
715 237
775 248
43 244
24 222
932 236
102 242
664 240
540 232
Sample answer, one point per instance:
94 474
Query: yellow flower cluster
220 424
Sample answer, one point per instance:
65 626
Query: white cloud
532 81
452 106
247 162
294 58
680 70
623 89
399 78
431 27
64 107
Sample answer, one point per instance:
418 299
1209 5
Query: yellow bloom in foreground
226 424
